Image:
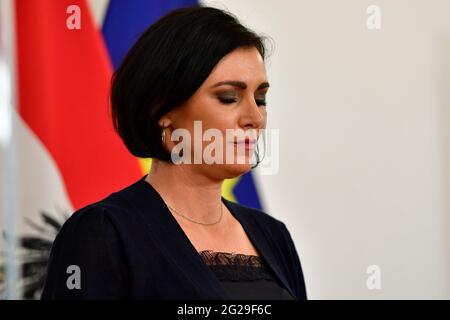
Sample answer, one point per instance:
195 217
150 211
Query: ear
165 121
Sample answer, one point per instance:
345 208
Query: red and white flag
67 153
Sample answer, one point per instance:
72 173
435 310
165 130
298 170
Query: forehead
243 64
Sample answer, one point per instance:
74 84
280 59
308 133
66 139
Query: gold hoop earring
163 135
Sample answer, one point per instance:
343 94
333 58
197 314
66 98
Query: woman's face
232 97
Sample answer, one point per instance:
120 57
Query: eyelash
230 101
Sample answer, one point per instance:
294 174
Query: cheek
221 124
203 114
219 117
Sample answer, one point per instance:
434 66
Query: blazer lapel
260 241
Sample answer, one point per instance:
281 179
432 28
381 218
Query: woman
171 235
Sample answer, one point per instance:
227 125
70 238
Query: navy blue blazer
129 246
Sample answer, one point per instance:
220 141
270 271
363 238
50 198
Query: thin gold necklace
202 223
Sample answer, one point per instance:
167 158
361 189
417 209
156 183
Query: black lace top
244 276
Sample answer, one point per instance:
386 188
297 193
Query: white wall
364 119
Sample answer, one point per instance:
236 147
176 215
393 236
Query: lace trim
229 258
236 266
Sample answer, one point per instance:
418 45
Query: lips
247 143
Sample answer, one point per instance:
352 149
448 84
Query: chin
235 170
228 170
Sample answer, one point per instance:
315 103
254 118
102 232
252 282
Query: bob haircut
164 68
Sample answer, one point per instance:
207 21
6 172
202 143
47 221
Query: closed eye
260 102
227 100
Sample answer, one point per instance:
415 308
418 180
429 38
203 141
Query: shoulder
89 232
98 225
106 215
89 241
90 220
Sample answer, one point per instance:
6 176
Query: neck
187 191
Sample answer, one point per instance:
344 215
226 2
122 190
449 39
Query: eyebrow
240 84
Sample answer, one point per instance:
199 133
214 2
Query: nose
252 115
